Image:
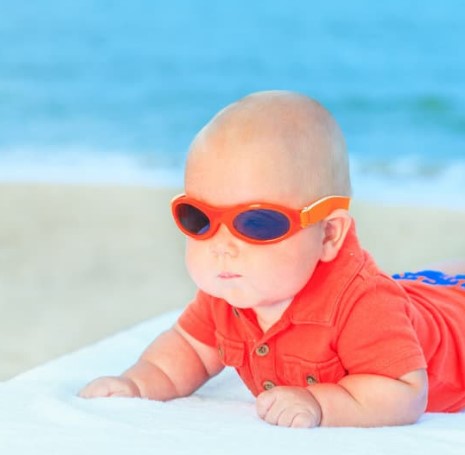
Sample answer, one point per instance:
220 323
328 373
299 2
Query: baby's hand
289 407
110 386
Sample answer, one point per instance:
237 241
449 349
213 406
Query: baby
286 294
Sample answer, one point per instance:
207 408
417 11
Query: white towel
41 414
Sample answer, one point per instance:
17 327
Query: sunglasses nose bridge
214 216
218 218
222 224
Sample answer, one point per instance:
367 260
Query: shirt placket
262 360
262 354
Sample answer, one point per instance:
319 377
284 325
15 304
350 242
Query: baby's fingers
289 407
301 419
110 386
264 405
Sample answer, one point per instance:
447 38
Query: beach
80 262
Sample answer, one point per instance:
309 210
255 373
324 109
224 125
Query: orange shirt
349 318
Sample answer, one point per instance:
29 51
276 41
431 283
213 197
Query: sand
78 263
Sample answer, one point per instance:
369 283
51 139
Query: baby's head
288 140
275 148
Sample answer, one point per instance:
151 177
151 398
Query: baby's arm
174 365
361 400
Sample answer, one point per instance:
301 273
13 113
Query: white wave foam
409 181
82 166
404 181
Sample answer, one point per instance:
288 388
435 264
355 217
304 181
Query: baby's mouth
228 275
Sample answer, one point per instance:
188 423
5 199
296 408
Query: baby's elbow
421 404
417 383
414 411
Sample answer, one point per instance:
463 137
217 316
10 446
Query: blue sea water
105 91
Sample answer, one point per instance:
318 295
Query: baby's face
244 274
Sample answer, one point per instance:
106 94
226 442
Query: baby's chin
237 292
233 295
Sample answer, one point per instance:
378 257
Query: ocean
100 91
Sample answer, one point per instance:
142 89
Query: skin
282 148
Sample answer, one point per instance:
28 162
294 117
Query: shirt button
262 350
311 379
267 385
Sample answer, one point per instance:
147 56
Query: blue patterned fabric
433 277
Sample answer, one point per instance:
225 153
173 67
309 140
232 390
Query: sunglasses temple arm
320 209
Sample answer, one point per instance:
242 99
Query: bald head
282 130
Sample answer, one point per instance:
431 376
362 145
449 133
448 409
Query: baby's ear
335 226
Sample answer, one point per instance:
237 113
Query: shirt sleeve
378 336
197 319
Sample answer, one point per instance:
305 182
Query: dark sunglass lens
192 219
262 224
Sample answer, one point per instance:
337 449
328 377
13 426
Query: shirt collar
317 302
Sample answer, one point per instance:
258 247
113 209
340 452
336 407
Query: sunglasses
260 223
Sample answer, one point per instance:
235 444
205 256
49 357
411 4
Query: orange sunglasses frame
299 219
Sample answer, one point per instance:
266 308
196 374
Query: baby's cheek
197 262
192 257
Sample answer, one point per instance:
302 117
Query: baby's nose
223 242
